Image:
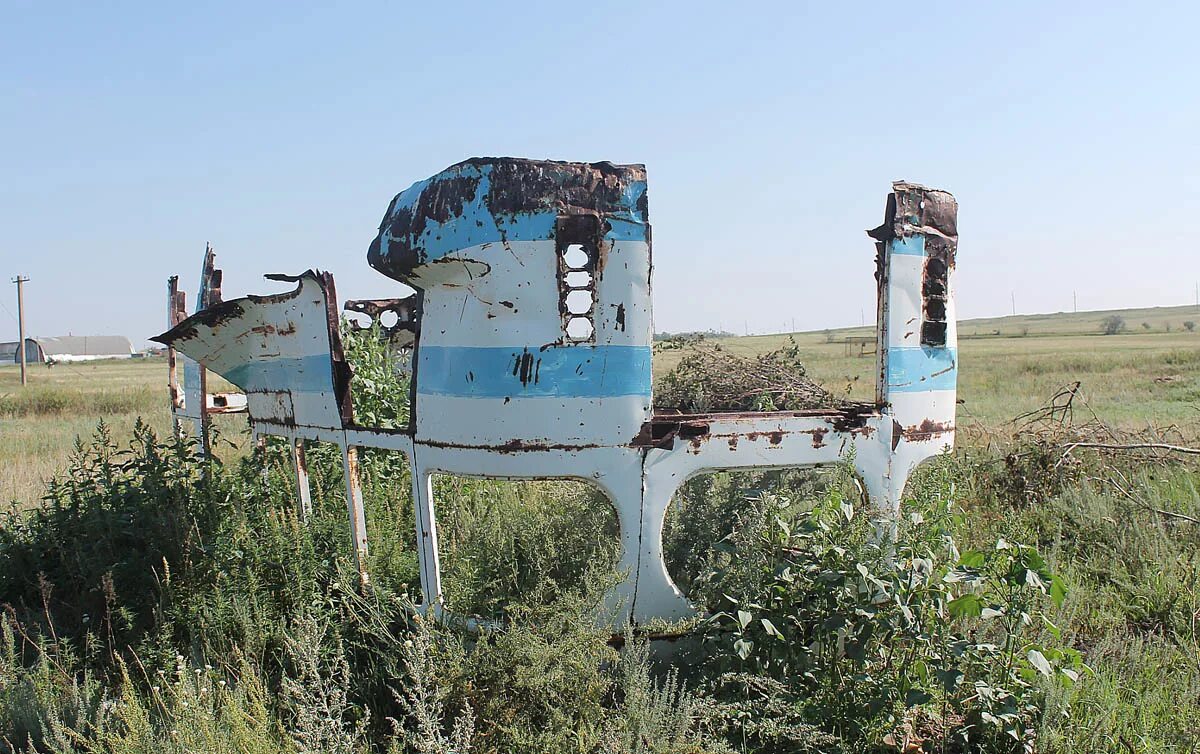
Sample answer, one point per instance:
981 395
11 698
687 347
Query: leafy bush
379 388
520 542
654 716
1112 324
711 508
867 639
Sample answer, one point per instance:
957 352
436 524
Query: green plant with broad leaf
872 635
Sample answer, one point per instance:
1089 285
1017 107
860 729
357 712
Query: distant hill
1158 318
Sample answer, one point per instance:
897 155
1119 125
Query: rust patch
913 208
662 433
516 445
404 308
855 417
177 312
514 187
927 430
916 210
220 312
586 232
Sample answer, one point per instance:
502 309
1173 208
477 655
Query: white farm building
75 348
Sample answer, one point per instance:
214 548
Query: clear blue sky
133 133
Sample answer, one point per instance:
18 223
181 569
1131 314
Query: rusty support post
204 423
210 294
176 306
354 506
303 490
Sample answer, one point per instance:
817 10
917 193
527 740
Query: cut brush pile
710 378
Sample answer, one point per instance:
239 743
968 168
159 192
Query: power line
8 311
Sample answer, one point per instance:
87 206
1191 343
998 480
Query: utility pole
20 281
1075 301
1013 294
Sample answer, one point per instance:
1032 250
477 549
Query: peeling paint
508 256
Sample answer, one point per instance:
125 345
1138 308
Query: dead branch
1132 446
709 378
1144 505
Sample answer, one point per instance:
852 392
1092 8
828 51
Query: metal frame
500 391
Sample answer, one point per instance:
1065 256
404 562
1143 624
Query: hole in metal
578 279
575 257
579 302
508 542
579 328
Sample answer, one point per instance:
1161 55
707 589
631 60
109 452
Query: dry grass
39 423
1133 379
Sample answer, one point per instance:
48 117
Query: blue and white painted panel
275 348
912 369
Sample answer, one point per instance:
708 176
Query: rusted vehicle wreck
532 337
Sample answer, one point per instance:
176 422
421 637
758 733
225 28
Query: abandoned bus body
531 335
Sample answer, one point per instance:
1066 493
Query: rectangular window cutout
577 243
935 286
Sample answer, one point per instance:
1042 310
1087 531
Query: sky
133 133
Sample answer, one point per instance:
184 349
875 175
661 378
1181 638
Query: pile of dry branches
1064 442
710 378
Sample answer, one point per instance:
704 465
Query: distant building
9 352
75 348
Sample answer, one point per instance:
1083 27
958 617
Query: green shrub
156 601
867 639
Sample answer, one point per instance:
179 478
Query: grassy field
220 572
40 423
1142 376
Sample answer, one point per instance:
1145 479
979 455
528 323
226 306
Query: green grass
40 423
140 564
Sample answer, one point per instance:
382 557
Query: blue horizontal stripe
909 245
570 371
915 369
307 374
